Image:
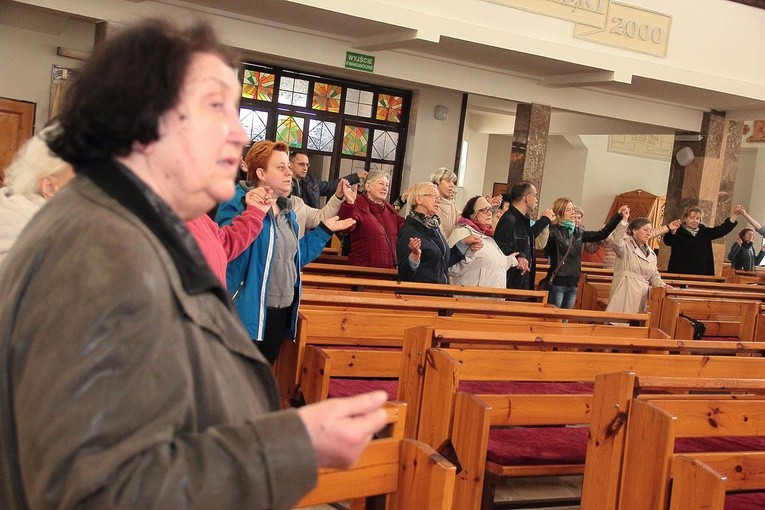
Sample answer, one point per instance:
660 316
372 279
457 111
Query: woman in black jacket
422 252
742 255
692 243
564 249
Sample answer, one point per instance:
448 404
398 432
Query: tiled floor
532 488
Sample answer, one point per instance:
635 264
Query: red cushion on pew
535 446
745 501
568 445
350 387
523 387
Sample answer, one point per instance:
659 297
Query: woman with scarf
564 248
692 243
742 254
421 249
446 184
488 267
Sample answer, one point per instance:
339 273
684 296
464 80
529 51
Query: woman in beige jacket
635 267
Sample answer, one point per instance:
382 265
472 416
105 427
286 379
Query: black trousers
273 334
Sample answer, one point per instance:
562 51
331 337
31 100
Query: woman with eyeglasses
564 248
488 267
422 251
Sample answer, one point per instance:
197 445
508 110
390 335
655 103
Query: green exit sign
359 61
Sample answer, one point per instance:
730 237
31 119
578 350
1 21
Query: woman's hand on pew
340 428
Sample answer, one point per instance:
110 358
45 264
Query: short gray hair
443 174
375 175
418 190
32 162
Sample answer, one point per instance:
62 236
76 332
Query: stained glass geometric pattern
289 129
321 135
326 97
258 85
293 91
254 122
358 102
384 144
389 107
355 140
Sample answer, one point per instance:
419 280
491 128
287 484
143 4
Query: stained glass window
355 140
293 91
321 135
388 169
289 129
258 85
358 102
384 144
326 97
254 122
389 107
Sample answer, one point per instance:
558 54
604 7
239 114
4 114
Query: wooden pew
410 473
700 481
447 368
327 325
357 284
347 270
722 317
630 467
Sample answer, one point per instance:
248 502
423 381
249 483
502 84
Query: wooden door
17 119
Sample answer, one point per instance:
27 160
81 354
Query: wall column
707 181
527 156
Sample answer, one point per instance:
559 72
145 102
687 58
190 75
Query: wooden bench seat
410 473
464 420
357 284
630 466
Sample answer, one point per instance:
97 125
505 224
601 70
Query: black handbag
544 283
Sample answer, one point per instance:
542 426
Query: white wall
431 143
564 175
497 161
473 183
608 174
28 57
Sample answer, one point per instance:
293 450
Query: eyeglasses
485 210
437 197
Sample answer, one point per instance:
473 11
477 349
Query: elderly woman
33 177
265 278
374 235
422 251
488 267
692 243
635 267
145 391
446 183
564 249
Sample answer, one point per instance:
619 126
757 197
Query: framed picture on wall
498 188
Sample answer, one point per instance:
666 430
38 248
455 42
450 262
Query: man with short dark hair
515 233
308 187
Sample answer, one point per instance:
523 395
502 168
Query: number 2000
632 29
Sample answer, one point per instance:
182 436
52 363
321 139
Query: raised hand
340 190
348 192
674 225
548 213
260 198
340 428
415 247
494 201
335 224
625 212
362 174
